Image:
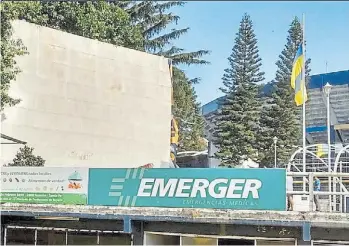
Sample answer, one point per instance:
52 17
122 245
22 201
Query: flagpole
303 88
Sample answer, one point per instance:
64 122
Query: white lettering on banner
182 187
222 190
143 186
234 186
201 186
252 185
217 188
160 189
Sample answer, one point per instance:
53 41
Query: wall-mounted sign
44 185
257 189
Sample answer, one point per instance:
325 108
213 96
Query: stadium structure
316 128
316 117
316 125
315 108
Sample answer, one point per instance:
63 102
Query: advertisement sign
44 185
248 189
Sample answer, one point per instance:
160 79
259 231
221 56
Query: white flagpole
303 87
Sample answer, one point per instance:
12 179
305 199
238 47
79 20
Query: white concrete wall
88 103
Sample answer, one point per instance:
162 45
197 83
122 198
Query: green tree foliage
96 20
154 18
26 158
237 119
10 49
280 116
191 124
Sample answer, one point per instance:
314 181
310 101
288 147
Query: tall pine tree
237 119
188 112
153 18
280 116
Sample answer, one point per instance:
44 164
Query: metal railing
333 193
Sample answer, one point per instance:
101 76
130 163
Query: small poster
44 185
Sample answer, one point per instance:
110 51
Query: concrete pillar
137 233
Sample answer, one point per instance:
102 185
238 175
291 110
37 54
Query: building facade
88 103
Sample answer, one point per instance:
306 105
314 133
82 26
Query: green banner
43 198
227 188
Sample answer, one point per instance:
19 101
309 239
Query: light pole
275 139
327 90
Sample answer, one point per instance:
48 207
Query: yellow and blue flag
297 80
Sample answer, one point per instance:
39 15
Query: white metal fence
335 192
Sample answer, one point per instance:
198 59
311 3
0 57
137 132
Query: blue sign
249 189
